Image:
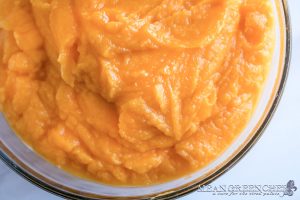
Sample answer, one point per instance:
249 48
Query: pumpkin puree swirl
132 92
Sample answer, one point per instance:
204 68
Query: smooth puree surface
131 92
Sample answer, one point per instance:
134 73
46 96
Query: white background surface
273 160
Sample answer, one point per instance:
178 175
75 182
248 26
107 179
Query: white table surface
275 159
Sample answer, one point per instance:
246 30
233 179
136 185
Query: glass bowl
23 160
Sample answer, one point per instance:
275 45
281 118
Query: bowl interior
25 161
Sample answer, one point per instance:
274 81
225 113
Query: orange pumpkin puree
132 92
